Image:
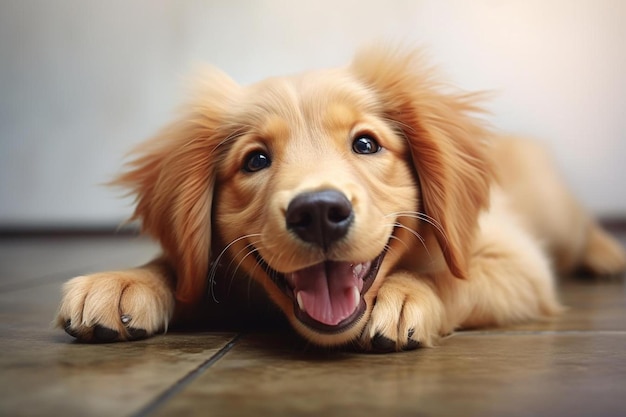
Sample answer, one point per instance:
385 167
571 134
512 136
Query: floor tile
591 305
481 375
45 374
42 370
29 261
573 365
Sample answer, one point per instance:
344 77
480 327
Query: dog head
317 185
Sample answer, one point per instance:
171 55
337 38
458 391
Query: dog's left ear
448 145
173 178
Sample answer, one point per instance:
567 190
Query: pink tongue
326 291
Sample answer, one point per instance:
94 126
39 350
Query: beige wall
82 81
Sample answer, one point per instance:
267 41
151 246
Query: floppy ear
173 178
448 145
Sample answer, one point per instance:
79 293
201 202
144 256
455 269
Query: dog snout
321 217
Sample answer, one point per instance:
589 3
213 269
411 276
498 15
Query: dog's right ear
173 177
448 144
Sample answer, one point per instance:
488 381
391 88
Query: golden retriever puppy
368 202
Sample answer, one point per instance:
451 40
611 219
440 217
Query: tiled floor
572 366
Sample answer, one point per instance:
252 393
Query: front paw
115 306
407 314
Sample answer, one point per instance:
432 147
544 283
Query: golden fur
473 226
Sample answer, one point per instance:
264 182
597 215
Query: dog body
368 202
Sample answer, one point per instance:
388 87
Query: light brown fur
474 226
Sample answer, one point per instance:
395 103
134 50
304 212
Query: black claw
68 328
104 334
383 344
412 344
136 334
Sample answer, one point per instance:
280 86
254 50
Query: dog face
317 186
302 200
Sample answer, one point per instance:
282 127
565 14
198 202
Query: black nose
321 217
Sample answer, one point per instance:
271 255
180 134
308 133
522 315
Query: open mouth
328 296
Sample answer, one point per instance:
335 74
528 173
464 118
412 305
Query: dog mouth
328 296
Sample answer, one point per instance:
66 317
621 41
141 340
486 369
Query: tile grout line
179 385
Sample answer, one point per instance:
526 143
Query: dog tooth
358 269
299 300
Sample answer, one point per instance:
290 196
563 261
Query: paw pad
382 344
103 334
68 329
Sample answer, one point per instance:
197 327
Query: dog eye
256 161
365 144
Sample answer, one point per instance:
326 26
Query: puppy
368 202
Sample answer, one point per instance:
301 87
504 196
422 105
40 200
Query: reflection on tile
28 261
598 305
486 375
572 365
43 372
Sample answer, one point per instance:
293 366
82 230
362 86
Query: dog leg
603 255
119 305
510 279
407 314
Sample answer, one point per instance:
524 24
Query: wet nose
320 217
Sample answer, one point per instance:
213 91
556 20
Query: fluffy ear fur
448 145
173 178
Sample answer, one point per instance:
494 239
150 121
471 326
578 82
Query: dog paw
407 314
604 255
115 306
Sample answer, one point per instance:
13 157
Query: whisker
249 275
236 133
216 263
398 123
234 273
421 216
397 238
389 249
417 235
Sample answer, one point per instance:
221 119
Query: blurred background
81 81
